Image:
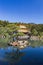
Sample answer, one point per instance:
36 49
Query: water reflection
27 56
13 57
36 43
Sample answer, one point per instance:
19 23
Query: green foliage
7 31
34 32
3 23
20 34
3 42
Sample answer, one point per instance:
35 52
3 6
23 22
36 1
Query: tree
34 32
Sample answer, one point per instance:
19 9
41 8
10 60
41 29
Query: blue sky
27 11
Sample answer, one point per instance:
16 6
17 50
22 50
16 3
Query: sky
27 11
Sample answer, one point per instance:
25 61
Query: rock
21 46
34 38
25 45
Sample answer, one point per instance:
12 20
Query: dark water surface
27 56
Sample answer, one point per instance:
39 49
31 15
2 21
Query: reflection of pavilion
14 56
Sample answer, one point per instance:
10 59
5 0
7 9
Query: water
27 56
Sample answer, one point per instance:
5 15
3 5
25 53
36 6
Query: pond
26 56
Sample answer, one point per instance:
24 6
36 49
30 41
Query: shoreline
36 38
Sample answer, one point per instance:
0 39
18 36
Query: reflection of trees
13 57
35 43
